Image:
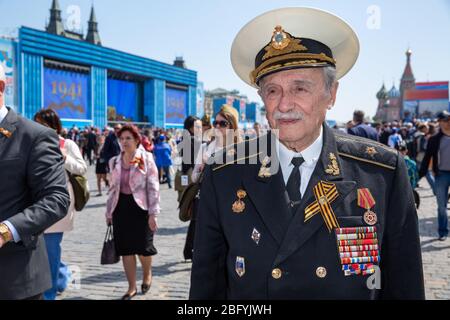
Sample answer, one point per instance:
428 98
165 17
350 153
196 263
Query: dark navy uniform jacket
294 259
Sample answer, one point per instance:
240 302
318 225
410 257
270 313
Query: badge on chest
358 246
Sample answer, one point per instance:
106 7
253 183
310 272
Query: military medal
240 266
239 205
256 236
366 201
370 218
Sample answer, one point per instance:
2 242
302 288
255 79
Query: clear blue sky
202 32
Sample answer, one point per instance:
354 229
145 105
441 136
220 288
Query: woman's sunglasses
222 123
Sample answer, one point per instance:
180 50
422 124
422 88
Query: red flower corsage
138 162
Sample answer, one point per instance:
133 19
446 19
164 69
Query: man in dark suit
304 212
111 148
361 129
33 196
91 144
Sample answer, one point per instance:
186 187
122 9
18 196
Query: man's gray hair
2 74
329 75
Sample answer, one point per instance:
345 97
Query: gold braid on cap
314 59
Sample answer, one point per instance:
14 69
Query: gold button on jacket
276 273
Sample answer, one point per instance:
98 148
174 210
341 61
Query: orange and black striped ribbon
325 193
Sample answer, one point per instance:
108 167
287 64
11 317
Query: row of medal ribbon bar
356 254
356 230
357 242
366 247
358 269
357 236
357 266
359 272
372 259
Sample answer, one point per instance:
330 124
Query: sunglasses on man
221 123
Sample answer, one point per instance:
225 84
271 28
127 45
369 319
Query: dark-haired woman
132 207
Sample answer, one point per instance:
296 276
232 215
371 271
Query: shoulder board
366 150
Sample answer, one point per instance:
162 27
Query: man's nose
286 102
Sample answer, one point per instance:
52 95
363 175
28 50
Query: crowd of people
132 163
424 146
265 228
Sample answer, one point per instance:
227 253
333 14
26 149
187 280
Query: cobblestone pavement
171 274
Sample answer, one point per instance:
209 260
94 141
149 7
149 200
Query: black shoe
442 238
129 296
145 287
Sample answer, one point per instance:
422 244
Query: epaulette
232 154
366 150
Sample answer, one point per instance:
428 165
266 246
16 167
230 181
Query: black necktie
293 183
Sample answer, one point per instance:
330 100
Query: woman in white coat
73 163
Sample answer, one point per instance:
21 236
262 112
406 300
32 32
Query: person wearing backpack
73 164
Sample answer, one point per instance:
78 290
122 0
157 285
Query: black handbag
109 253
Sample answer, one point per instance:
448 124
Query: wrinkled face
127 141
296 102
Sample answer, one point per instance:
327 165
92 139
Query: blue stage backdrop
176 106
123 100
67 93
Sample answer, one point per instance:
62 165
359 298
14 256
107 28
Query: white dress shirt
311 155
3 113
